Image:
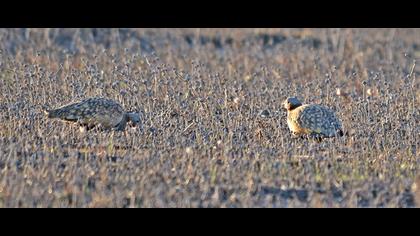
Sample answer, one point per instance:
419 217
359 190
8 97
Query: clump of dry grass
214 133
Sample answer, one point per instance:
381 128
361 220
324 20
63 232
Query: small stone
265 114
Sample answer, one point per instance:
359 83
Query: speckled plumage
91 112
311 120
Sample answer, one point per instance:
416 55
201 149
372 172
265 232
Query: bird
311 120
95 111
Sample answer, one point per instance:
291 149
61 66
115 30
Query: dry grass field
213 130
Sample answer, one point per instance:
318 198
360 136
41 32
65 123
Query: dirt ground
213 130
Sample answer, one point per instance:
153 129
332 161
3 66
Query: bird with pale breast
311 120
96 111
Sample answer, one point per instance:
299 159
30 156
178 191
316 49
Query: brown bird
311 120
91 112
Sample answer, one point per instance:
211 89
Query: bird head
291 103
134 117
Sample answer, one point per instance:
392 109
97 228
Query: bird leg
87 127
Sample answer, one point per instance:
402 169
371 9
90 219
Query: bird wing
70 112
94 111
318 120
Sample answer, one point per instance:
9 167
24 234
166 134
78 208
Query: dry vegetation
213 131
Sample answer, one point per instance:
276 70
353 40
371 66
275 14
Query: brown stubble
204 142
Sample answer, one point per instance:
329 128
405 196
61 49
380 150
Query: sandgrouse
91 112
311 120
